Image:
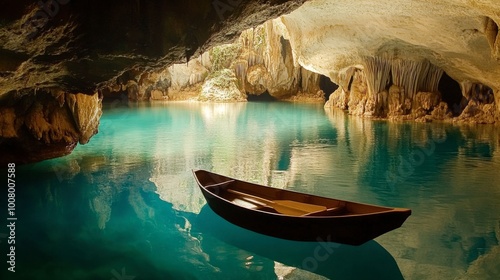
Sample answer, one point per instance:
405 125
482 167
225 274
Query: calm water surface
125 206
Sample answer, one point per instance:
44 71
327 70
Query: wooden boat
296 216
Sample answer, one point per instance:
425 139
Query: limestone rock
307 97
48 126
458 37
8 123
408 29
80 45
87 47
158 95
278 59
479 113
221 87
185 75
309 81
358 96
441 112
257 78
133 92
396 101
339 99
86 111
261 59
424 104
43 125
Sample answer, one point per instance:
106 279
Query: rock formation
259 61
387 58
403 43
406 89
46 124
73 47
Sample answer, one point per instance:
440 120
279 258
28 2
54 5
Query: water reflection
447 174
331 260
86 230
129 195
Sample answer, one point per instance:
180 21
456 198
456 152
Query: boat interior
257 201
272 200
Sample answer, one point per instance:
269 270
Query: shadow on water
328 259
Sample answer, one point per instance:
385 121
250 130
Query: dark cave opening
327 86
451 93
352 79
261 97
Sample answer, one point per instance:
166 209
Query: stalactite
422 75
246 38
195 78
254 59
377 70
466 87
415 76
345 77
204 60
406 74
309 81
430 81
240 69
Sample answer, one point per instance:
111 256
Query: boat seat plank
288 207
328 212
246 204
221 184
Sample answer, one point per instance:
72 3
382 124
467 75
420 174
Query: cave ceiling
77 45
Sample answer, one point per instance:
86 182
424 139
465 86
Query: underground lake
126 205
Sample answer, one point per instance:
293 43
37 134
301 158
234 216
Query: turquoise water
125 206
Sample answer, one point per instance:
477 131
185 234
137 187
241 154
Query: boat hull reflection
329 259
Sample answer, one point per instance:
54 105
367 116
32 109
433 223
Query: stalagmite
358 94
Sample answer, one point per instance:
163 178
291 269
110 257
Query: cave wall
259 61
76 45
45 124
84 49
400 89
99 48
458 37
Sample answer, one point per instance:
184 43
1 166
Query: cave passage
327 86
264 97
450 93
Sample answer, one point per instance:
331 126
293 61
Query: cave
263 97
110 97
107 108
450 93
327 86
